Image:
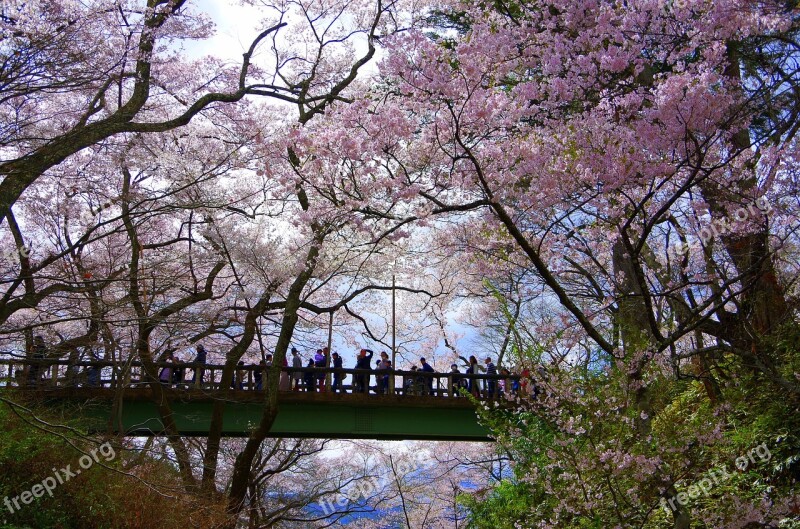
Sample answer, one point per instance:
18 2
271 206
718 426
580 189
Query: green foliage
747 442
111 493
507 504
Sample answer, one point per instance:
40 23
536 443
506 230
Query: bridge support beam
321 415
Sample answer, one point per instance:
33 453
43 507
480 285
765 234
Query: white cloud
236 26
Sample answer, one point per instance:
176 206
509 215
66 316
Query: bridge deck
431 410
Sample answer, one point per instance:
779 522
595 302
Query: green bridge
322 415
115 401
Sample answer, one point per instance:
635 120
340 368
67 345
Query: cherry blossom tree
158 229
618 180
638 162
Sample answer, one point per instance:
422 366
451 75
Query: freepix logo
365 488
59 477
714 477
724 226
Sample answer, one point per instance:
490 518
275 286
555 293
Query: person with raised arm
361 380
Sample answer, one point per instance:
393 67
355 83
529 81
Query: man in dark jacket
308 377
361 381
426 368
491 384
457 381
337 375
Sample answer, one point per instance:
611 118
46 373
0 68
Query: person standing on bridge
260 373
38 357
266 369
361 380
382 375
297 374
457 381
389 369
284 380
491 384
93 371
200 365
178 372
426 368
165 376
308 377
473 369
320 361
237 382
337 374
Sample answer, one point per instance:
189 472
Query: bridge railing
43 374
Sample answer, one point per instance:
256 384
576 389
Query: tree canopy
606 190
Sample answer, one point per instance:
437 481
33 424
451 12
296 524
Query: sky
236 25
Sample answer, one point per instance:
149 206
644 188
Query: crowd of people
301 375
324 371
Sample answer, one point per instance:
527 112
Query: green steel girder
319 415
